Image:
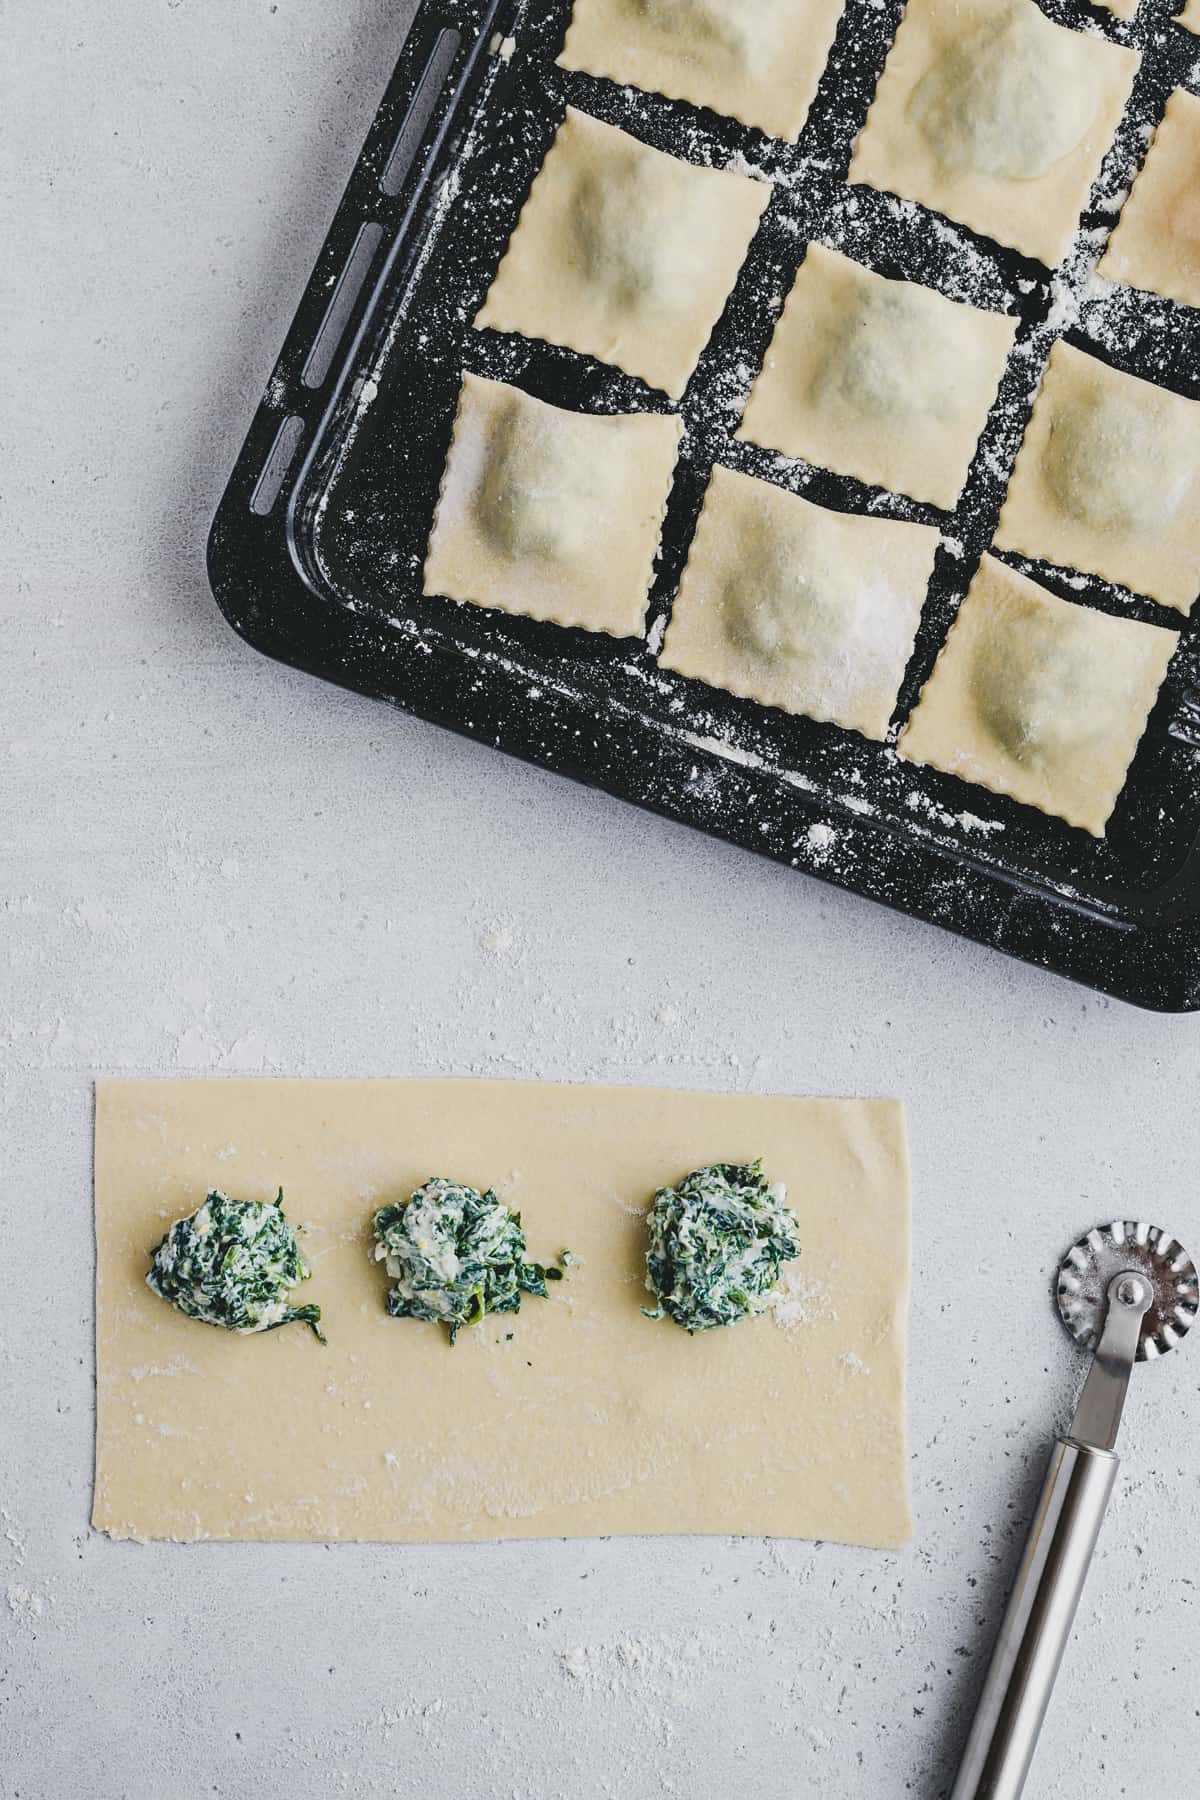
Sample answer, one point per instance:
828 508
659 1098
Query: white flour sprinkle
800 1300
667 1662
738 165
821 840
497 939
25 1603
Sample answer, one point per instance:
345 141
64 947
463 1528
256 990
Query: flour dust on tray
716 1245
233 1263
456 1254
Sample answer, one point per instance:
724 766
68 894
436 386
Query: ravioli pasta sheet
989 113
1156 245
625 253
1108 480
883 380
1038 698
553 514
755 60
578 1416
794 606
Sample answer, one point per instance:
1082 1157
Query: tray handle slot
279 460
1185 726
341 304
420 111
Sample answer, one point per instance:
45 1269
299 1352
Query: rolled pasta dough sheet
991 114
755 60
589 1419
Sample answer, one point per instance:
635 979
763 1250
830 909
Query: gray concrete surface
208 863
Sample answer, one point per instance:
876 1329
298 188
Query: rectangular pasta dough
592 1419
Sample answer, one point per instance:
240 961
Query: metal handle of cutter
1037 1622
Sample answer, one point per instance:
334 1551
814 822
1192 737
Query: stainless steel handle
1037 1623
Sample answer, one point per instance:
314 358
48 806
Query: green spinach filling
233 1263
716 1245
455 1254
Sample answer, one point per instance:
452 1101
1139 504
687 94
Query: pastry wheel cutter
1129 1292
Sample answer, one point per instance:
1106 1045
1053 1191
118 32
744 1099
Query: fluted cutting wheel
1091 1264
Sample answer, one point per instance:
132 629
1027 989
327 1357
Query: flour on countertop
12 1537
25 1603
666 1662
497 939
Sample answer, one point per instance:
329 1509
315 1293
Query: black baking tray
316 551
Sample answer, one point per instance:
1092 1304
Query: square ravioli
552 514
883 380
1038 698
794 606
625 253
755 60
1156 245
992 115
1107 480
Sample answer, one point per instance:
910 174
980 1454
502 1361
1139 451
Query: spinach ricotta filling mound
717 1244
233 1263
454 1255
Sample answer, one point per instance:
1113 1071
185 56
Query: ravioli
1108 480
883 380
797 607
759 62
549 513
625 253
1039 698
1156 245
989 113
